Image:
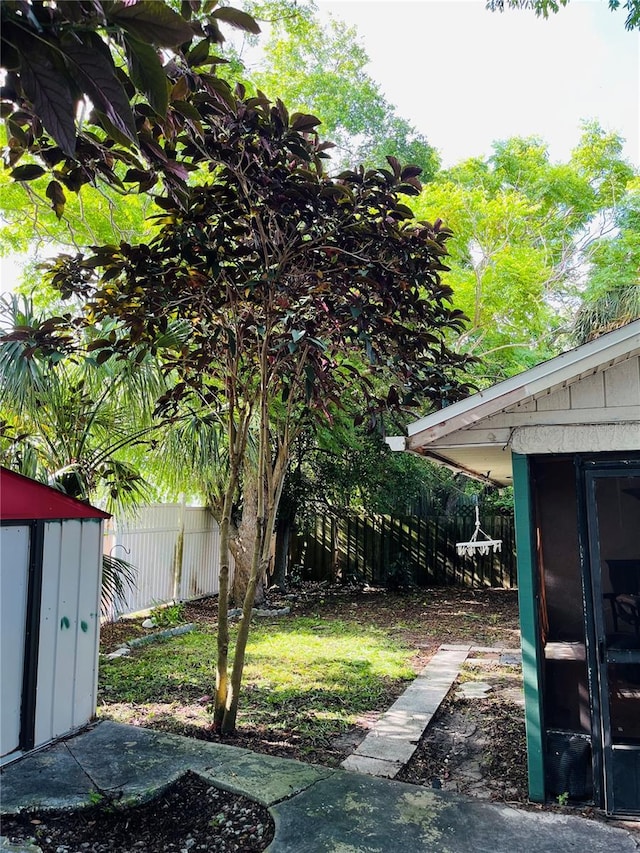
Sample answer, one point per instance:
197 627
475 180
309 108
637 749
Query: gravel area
190 816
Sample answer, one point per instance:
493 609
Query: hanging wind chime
484 546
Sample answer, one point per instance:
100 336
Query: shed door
14 582
614 538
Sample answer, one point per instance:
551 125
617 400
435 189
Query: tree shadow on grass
292 705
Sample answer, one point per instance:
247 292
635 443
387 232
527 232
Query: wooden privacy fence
381 550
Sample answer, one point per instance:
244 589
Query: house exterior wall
598 412
611 395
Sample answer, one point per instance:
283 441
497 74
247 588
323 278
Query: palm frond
610 311
118 577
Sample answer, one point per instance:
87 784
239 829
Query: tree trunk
243 543
233 689
268 498
281 562
236 448
242 575
222 679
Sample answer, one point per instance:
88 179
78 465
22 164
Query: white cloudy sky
466 77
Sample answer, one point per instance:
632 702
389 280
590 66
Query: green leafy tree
524 229
543 8
612 294
93 99
78 425
96 90
29 226
321 69
293 287
69 421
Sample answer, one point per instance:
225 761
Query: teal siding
529 626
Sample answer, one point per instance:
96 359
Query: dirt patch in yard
476 745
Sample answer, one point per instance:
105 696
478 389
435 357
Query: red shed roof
23 499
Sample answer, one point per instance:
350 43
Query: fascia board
560 371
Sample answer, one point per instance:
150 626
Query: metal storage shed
567 435
50 574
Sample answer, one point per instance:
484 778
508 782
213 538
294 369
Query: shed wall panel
48 643
66 651
14 578
525 406
87 624
67 662
610 396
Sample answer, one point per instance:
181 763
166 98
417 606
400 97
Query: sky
466 77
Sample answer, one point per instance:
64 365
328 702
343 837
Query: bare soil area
191 815
477 746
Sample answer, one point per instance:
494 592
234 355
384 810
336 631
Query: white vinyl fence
175 551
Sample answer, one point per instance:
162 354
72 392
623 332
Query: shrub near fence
382 550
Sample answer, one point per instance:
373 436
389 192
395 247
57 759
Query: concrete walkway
315 809
394 737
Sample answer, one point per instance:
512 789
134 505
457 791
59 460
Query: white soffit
447 436
490 464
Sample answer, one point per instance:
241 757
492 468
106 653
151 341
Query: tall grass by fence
383 550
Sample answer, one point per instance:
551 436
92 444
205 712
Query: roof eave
555 373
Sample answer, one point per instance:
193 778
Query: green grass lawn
306 680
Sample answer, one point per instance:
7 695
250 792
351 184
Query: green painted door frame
529 625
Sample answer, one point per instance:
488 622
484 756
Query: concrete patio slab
316 809
398 723
24 847
510 659
354 813
143 758
49 779
264 778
